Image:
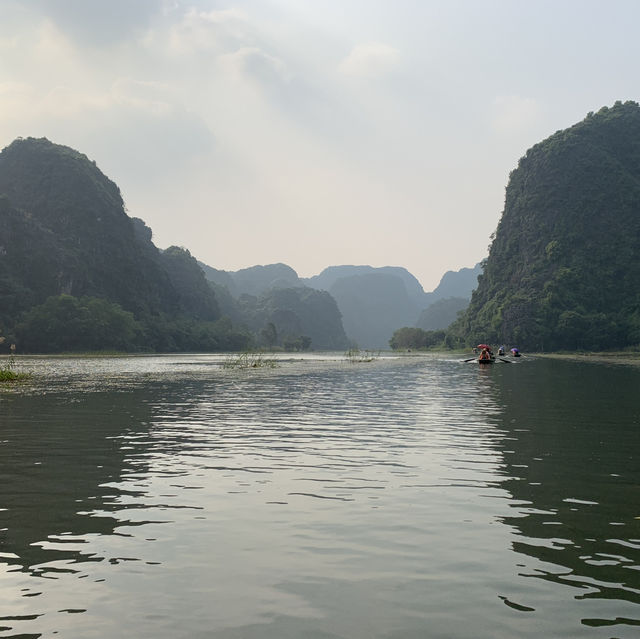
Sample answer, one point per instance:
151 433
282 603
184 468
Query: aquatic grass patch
249 359
7 375
7 371
357 356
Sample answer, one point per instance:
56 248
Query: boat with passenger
486 355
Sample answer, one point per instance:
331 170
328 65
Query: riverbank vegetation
7 368
249 359
416 339
356 355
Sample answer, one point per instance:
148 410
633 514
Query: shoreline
616 357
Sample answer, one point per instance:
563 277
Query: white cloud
210 31
370 60
15 98
156 98
137 131
256 64
310 130
97 24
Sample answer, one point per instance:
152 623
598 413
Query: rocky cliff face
563 271
64 229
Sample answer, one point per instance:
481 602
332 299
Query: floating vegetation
7 371
356 356
249 359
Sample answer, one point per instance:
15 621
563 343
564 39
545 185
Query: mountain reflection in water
405 497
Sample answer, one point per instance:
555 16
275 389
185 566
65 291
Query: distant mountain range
563 272
77 273
373 301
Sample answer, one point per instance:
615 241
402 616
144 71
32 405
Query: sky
313 132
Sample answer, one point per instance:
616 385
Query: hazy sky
316 132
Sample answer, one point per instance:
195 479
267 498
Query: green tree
66 323
269 335
410 338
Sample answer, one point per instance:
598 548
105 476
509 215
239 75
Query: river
402 498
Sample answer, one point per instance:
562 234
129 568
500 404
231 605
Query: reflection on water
406 497
571 465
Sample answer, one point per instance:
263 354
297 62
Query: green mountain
67 241
563 270
296 318
254 280
273 303
373 305
376 301
64 230
441 313
459 284
330 275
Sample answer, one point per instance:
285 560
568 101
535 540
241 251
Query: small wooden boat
488 360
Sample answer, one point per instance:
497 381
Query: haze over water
402 498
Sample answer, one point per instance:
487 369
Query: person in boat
501 350
485 354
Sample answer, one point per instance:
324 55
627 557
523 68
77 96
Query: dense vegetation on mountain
441 313
254 280
195 295
563 270
375 301
411 338
295 318
84 240
76 272
277 308
259 279
455 284
373 305
326 280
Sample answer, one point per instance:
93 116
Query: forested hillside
294 318
563 271
373 302
442 313
277 308
77 273
460 284
376 301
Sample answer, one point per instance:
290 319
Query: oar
506 361
470 359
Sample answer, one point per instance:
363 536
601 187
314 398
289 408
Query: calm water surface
403 498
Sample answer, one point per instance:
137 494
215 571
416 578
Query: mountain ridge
563 270
373 301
